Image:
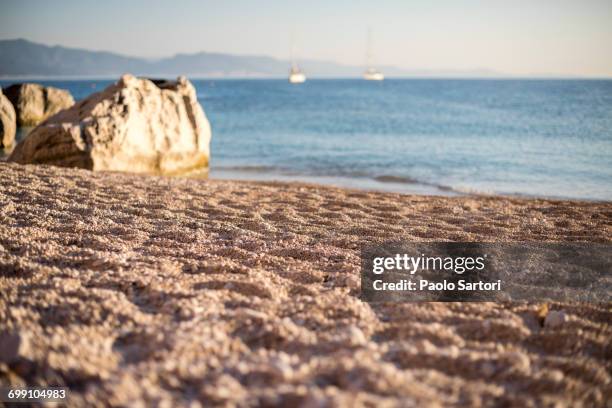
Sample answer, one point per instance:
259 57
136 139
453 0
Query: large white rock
135 125
34 103
8 124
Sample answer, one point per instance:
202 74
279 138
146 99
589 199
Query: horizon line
315 77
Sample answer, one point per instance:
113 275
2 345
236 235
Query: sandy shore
155 290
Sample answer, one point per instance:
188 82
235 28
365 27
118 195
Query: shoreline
373 184
370 184
145 289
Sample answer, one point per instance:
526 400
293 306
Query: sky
515 37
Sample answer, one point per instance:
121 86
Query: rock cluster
34 103
135 125
7 122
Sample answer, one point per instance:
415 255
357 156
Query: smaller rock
555 319
35 103
8 122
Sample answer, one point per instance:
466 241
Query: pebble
519 360
555 375
425 346
281 369
356 336
488 369
555 319
11 346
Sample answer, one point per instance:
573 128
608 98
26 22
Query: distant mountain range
23 58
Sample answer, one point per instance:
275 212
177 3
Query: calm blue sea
546 138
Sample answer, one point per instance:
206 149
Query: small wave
441 187
253 169
396 179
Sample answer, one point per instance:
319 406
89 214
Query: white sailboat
296 76
371 73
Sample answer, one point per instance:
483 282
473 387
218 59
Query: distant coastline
26 60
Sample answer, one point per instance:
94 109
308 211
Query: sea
536 138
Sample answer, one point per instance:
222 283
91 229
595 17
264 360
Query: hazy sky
565 37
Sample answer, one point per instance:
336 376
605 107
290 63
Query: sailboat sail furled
296 76
371 73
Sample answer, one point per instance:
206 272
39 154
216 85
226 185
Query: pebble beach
137 290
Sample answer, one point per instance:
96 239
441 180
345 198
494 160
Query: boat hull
373 76
297 78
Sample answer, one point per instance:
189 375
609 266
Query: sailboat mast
293 62
296 76
369 48
371 73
